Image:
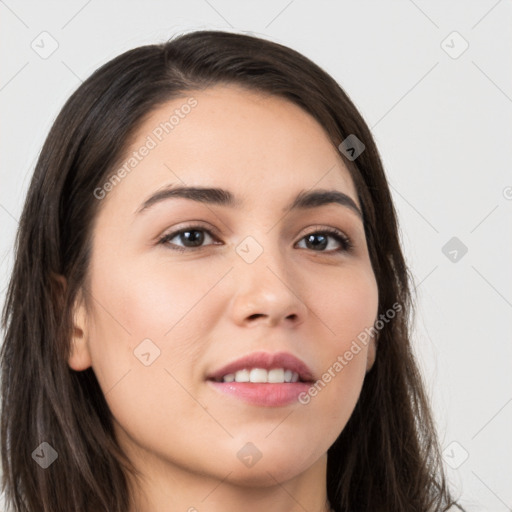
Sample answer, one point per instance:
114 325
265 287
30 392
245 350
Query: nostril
255 315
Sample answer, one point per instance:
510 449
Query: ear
371 354
80 358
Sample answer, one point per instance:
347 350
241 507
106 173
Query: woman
209 308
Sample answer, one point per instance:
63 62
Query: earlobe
80 358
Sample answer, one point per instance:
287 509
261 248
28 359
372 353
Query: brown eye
190 238
319 240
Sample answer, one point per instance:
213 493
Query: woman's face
250 276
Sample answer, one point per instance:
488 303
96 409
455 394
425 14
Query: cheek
153 300
151 318
149 328
345 302
347 306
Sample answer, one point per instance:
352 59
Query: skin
180 433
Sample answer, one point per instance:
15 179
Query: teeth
275 375
242 376
260 375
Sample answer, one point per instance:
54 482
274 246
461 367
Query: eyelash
343 240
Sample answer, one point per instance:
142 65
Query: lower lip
266 395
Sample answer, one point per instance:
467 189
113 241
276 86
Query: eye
319 241
193 237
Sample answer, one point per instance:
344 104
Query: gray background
441 118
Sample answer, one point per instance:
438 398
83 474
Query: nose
267 293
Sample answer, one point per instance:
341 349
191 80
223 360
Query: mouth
264 367
262 376
263 379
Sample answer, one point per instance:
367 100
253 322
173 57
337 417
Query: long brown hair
387 458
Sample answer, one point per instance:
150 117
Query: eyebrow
221 197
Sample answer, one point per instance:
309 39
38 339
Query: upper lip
267 361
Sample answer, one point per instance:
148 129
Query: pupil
194 240
322 244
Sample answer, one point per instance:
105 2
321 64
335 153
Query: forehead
261 147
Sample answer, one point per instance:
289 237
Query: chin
265 474
270 465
